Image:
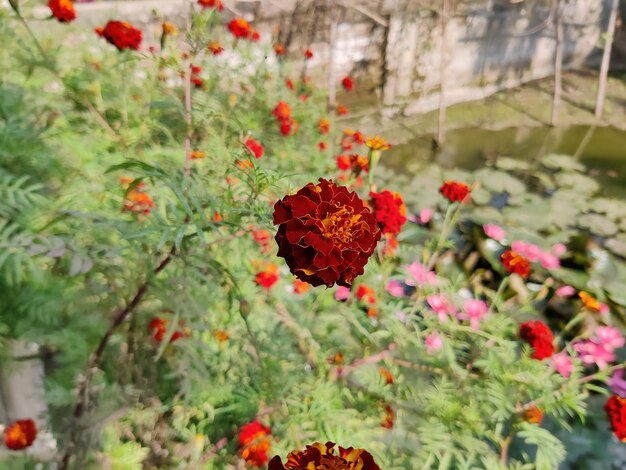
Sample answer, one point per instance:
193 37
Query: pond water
601 149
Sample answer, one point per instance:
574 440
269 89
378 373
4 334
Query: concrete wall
393 47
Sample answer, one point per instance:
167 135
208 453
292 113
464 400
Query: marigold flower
255 36
138 202
216 48
533 415
358 138
282 111
300 287
121 34
615 408
343 162
62 10
455 191
386 374
538 335
262 237
342 110
389 211
289 83
347 83
159 326
308 54
589 301
322 146
20 434
240 28
221 335
365 294
377 143
391 244
324 457
254 441
169 28
279 49
389 418
255 147
324 126
268 277
197 154
211 4
326 234
513 262
217 217
288 127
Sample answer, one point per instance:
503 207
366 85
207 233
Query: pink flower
562 363
528 250
494 231
549 261
617 383
395 288
342 293
439 304
559 249
474 311
425 216
420 275
608 337
433 342
565 291
591 353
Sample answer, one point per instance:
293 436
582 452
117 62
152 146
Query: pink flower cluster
600 348
473 311
548 259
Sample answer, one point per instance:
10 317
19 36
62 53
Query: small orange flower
268 277
389 418
216 48
159 326
533 415
358 138
169 28
324 126
244 164
377 143
590 302
254 442
221 335
279 49
336 358
20 434
322 146
62 10
300 287
513 262
366 294
211 4
138 202
217 217
386 374
197 155
342 110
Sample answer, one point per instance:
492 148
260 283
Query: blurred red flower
268 277
389 210
216 48
308 54
255 147
289 83
538 335
138 202
615 408
513 262
240 28
211 4
347 83
322 457
282 111
121 34
300 287
279 49
533 415
326 234
254 442
62 10
159 327
342 110
365 294
455 191
20 434
324 126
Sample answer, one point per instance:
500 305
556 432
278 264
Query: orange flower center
341 225
16 434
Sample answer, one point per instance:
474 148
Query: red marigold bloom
324 457
279 49
20 434
347 83
354 162
289 126
615 408
159 327
255 36
533 415
346 143
138 202
216 48
268 277
221 335
513 262
240 28
387 375
62 10
254 442
282 111
322 146
262 237
324 126
366 294
389 418
289 83
300 287
358 138
326 234
255 147
389 210
343 162
122 35
308 54
211 4
455 191
342 110
99 31
538 335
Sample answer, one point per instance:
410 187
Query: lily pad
614 209
481 196
499 181
576 181
617 245
510 164
598 224
562 162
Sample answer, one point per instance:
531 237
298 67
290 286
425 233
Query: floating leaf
561 162
509 164
576 181
598 224
617 245
499 181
